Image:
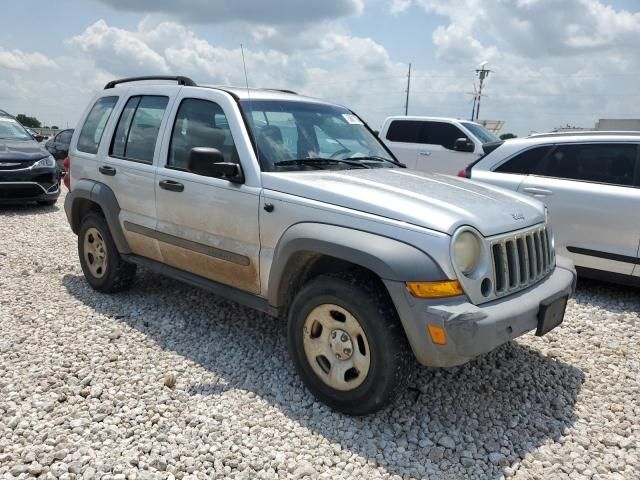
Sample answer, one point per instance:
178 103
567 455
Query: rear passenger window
603 163
526 163
137 131
407 131
444 134
200 123
93 128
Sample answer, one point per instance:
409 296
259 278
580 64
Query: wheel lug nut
343 338
347 351
333 335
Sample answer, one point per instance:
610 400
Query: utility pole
482 73
406 103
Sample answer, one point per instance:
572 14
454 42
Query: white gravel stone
83 395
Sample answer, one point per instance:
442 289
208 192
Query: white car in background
434 144
590 181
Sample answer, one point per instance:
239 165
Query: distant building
606 125
619 124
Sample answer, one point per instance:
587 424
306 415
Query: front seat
271 145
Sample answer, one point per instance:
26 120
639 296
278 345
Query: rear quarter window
94 125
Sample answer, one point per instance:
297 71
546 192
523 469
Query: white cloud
19 60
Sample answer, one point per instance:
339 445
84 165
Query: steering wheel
339 152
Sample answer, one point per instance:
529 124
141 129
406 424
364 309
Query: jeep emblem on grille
517 216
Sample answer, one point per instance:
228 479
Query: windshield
294 135
481 133
12 130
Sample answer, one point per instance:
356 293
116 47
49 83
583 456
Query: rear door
593 199
403 138
128 165
208 226
437 153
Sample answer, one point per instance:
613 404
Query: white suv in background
590 181
433 144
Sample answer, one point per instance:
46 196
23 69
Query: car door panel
198 227
134 181
594 224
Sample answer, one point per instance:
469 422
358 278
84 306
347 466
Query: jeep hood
437 202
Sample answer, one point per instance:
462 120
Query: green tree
55 127
31 122
507 136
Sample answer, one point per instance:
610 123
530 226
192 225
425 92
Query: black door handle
171 185
107 170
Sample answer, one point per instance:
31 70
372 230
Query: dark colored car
58 146
28 173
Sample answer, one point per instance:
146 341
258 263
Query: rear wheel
103 267
347 343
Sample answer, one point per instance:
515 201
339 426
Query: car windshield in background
12 130
294 135
481 133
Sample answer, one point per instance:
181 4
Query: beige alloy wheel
336 347
95 252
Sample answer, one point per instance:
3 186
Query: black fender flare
389 258
101 195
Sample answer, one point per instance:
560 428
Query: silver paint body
588 215
413 212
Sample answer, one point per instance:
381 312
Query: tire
101 263
47 203
350 383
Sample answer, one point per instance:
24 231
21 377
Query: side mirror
209 162
464 145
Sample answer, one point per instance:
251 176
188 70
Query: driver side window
200 123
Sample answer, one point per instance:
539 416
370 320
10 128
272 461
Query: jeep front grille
521 259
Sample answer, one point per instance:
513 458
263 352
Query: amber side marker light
441 289
437 334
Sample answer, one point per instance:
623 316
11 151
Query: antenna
253 125
244 66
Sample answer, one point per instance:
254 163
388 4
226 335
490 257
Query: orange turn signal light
441 289
437 334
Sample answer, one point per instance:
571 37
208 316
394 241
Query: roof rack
186 81
583 133
280 90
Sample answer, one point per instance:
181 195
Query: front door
593 204
207 226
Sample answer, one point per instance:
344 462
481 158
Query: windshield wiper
318 161
378 158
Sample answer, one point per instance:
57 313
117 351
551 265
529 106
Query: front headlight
467 251
47 161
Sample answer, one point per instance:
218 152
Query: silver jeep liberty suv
292 206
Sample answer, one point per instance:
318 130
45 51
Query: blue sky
555 62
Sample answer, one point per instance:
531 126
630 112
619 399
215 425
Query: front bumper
476 329
29 185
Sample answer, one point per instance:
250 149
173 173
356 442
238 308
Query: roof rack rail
186 81
283 90
583 133
5 114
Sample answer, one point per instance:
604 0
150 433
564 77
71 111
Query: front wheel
347 343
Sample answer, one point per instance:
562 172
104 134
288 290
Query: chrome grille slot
521 259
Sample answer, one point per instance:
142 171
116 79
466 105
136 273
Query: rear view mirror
464 145
209 162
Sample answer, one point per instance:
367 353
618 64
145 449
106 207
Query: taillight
464 173
66 163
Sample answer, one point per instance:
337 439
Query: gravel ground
168 381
